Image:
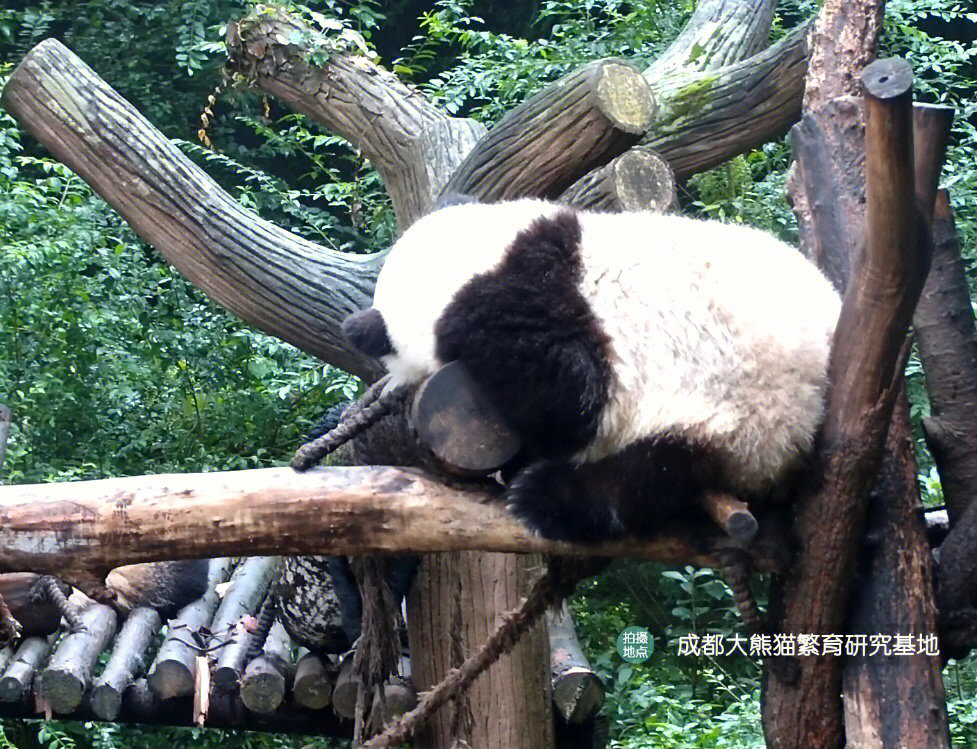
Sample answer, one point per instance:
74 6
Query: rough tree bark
826 189
953 409
270 277
706 117
948 350
80 530
414 145
719 33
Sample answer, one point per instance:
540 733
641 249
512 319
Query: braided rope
557 582
369 409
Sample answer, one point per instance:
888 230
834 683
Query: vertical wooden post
866 374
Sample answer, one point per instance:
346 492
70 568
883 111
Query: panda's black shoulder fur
530 339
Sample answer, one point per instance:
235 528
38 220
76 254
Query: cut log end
578 694
62 689
625 98
888 78
106 702
459 425
732 515
262 686
171 678
312 688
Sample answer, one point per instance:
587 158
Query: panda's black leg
633 492
548 497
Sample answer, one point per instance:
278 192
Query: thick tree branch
843 41
572 126
707 117
279 282
67 527
719 33
414 145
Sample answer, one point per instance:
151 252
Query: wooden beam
76 529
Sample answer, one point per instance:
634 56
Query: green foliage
939 38
113 363
668 701
959 678
496 71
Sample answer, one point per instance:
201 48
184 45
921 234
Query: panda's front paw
554 498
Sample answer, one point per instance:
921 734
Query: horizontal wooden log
344 693
732 515
73 528
141 705
20 672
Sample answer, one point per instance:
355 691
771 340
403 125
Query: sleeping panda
643 358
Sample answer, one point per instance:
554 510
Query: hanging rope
557 582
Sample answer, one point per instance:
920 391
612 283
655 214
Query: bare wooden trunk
867 357
948 350
456 600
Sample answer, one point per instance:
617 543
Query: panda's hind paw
553 499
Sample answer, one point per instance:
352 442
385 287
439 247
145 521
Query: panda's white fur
719 331
716 334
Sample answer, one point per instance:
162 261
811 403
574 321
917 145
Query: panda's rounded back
720 334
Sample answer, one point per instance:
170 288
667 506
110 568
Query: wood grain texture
865 376
576 124
72 528
414 145
281 283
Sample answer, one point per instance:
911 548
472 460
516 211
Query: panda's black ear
367 331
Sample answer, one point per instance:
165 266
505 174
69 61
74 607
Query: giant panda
644 359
